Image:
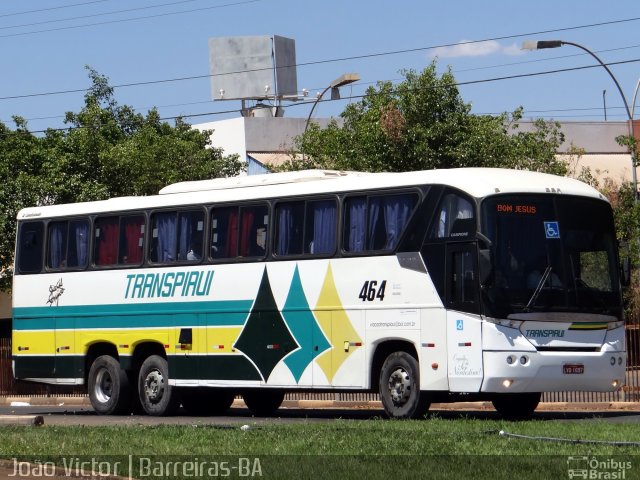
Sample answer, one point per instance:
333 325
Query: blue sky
150 40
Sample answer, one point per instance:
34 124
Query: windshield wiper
538 289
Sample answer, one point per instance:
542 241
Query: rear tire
400 387
157 397
263 402
516 406
109 389
207 401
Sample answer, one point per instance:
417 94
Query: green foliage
423 123
110 151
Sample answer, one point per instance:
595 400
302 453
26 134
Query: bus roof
478 182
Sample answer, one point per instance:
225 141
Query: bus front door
464 327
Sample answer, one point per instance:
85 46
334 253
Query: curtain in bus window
106 251
184 237
396 214
231 249
290 229
247 233
224 232
190 236
373 238
166 237
132 241
285 229
78 251
357 224
324 227
57 244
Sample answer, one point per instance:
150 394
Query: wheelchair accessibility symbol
552 229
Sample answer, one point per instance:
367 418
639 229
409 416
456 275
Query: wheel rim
400 386
104 386
154 386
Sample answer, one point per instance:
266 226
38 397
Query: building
261 141
265 141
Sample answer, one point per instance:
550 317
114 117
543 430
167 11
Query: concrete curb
18 401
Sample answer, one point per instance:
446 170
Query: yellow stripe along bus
423 286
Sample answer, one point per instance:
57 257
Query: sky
155 53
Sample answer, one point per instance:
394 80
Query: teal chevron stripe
139 315
304 328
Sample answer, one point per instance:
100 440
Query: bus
431 286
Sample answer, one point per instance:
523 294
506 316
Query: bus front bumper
533 371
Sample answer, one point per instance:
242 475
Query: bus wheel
157 397
109 389
263 402
400 387
516 406
207 401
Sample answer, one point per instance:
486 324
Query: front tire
263 402
109 388
400 387
516 406
157 397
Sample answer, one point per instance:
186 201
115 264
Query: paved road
238 415
83 414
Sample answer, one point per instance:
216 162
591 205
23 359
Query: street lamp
542 44
334 86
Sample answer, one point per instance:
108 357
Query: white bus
426 287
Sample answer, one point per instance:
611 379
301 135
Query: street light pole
334 86
542 44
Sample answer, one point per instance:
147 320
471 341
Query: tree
21 158
114 151
110 150
423 123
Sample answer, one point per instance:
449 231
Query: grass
433 448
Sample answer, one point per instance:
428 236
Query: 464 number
370 291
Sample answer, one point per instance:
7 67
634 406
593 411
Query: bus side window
388 216
131 239
106 241
30 247
164 236
177 236
254 221
78 244
376 223
68 244
355 221
190 235
57 245
449 218
320 228
289 228
224 232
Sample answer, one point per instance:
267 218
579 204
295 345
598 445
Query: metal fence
629 393
9 386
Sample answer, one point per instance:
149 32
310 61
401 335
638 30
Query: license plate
573 369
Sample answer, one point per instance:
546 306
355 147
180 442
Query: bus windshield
549 253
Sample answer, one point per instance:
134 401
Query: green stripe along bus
423 286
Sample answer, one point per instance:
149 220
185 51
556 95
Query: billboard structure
253 68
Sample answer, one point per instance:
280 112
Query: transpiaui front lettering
195 283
